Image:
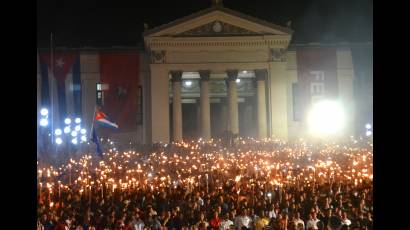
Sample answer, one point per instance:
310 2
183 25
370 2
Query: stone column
198 117
205 106
233 102
261 102
158 105
278 100
176 105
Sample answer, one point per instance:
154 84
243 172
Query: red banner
317 76
120 71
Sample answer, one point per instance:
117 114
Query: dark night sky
79 23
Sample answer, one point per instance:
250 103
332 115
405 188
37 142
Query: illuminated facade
219 70
211 50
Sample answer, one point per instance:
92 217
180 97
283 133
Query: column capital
204 74
261 74
176 75
232 74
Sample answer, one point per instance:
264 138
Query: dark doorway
190 128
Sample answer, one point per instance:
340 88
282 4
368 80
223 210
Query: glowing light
58 132
74 141
238 80
368 133
74 133
188 83
77 120
83 131
245 71
326 117
368 126
77 128
67 129
44 112
237 178
67 121
83 138
43 122
59 141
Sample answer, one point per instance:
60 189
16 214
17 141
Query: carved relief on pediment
216 28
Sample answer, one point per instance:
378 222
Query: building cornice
163 43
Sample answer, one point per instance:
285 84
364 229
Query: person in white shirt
226 222
296 221
242 221
345 220
238 222
312 222
138 223
272 213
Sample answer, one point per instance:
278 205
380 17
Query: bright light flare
74 141
58 132
368 133
188 83
59 141
43 122
326 117
67 121
44 112
67 129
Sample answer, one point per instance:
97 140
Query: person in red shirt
61 225
215 223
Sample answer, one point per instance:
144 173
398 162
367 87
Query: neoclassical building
226 58
218 70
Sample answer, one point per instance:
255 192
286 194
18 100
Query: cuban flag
61 85
102 119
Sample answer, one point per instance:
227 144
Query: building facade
215 71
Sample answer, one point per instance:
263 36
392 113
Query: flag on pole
96 141
102 119
61 81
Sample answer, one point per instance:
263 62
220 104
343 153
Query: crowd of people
256 184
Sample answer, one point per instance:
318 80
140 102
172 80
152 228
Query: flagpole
52 87
92 123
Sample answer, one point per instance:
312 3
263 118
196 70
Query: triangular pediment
217 21
216 29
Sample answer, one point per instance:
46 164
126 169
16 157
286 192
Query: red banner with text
317 76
